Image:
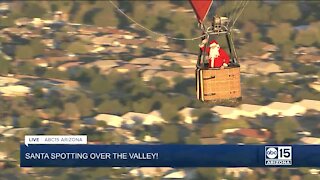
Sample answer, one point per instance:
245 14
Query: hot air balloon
219 82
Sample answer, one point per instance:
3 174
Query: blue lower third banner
170 155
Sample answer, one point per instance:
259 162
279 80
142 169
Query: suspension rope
236 10
232 11
239 14
153 32
229 11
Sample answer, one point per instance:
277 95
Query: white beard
214 53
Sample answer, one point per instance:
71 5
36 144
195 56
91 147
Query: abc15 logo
278 152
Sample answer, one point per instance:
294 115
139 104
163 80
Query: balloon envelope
201 8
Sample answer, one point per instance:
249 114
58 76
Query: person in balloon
218 58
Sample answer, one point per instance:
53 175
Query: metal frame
213 32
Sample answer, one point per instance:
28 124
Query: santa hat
214 43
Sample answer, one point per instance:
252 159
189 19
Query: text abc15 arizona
278 155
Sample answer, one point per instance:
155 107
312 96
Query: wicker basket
218 84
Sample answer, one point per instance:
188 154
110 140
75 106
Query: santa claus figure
217 57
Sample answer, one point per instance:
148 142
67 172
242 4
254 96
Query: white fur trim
213 44
212 62
214 52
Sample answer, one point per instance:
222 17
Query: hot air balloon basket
219 86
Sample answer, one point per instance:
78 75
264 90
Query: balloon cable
153 32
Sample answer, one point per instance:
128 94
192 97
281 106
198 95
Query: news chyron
278 155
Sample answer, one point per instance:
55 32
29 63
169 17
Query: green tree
273 85
284 174
10 145
169 113
170 134
181 101
77 48
308 37
149 22
100 18
55 129
249 27
112 107
265 13
173 67
138 90
54 112
37 47
206 117
24 52
184 85
193 138
100 85
55 73
253 176
160 84
89 15
178 3
286 11
28 121
310 177
286 49
40 71
127 6
285 129
7 22
7 121
76 126
280 34
71 111
85 105
162 25
208 173
4 65
33 10
251 48
255 11
182 27
270 175
25 68
144 105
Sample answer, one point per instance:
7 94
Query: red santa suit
217 56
